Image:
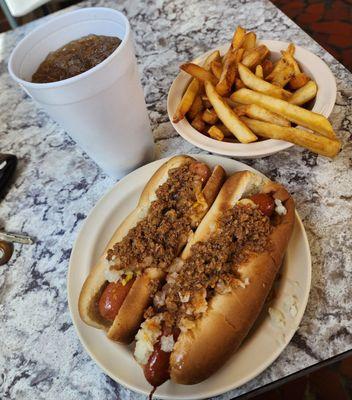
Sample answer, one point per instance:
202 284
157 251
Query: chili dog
216 289
120 286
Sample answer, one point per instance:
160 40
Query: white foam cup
102 109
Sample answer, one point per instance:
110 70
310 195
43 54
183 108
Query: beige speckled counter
57 185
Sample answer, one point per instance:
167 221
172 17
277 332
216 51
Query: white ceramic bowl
324 102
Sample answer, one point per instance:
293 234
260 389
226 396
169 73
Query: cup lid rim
83 75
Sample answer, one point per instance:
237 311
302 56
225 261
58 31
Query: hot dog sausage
209 190
156 370
112 299
265 203
201 169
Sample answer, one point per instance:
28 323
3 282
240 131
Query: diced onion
167 343
184 297
146 337
112 275
280 209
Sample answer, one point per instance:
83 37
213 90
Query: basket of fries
252 99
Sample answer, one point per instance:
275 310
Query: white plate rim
326 99
75 250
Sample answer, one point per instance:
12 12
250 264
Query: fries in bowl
245 96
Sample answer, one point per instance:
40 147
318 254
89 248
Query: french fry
198 123
184 105
186 101
228 73
216 68
239 56
290 52
298 81
291 49
282 72
201 90
239 84
296 67
214 56
240 110
255 56
316 143
238 38
236 42
293 113
259 71
267 66
259 85
249 41
229 102
304 94
227 116
209 116
260 113
289 57
215 133
199 72
283 76
226 132
230 139
196 108
206 102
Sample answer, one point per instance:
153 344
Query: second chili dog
215 291
120 286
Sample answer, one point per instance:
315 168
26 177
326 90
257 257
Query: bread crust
199 352
130 315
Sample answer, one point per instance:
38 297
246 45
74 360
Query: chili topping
75 57
212 265
157 239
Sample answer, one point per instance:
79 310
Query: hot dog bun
200 351
130 314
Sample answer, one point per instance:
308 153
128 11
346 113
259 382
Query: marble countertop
57 185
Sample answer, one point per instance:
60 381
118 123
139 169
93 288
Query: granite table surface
57 185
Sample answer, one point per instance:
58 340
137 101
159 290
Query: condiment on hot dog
112 298
75 57
265 203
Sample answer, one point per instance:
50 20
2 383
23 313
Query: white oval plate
312 65
260 349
